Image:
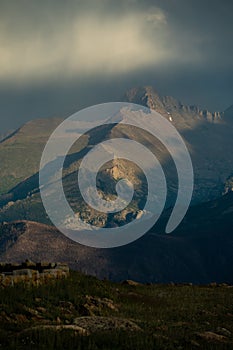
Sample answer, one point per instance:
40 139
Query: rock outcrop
31 273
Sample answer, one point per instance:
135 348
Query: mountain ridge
166 105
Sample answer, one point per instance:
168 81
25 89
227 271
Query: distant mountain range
200 250
207 135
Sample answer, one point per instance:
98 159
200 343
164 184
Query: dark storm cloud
59 56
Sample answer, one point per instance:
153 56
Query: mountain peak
170 107
145 95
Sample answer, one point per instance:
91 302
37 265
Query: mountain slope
208 136
199 251
202 131
20 152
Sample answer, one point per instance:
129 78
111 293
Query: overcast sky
59 56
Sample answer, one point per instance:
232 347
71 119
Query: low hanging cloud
88 44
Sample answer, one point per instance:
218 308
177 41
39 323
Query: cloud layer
86 43
59 56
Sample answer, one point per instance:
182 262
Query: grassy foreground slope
83 312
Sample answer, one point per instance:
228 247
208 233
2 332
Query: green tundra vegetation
82 312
